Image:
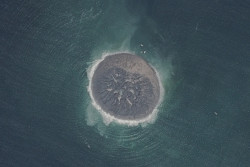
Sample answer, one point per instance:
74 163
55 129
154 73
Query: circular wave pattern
123 140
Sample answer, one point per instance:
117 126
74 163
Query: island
125 86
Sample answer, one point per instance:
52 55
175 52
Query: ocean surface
201 50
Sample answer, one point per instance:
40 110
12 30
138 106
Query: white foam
107 118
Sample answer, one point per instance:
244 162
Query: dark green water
201 50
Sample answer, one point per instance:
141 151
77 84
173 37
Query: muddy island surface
125 86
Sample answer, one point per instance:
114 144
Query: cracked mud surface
125 86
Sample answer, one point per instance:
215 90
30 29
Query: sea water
200 50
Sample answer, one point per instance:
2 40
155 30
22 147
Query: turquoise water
200 50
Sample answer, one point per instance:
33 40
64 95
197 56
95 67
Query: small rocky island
125 86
